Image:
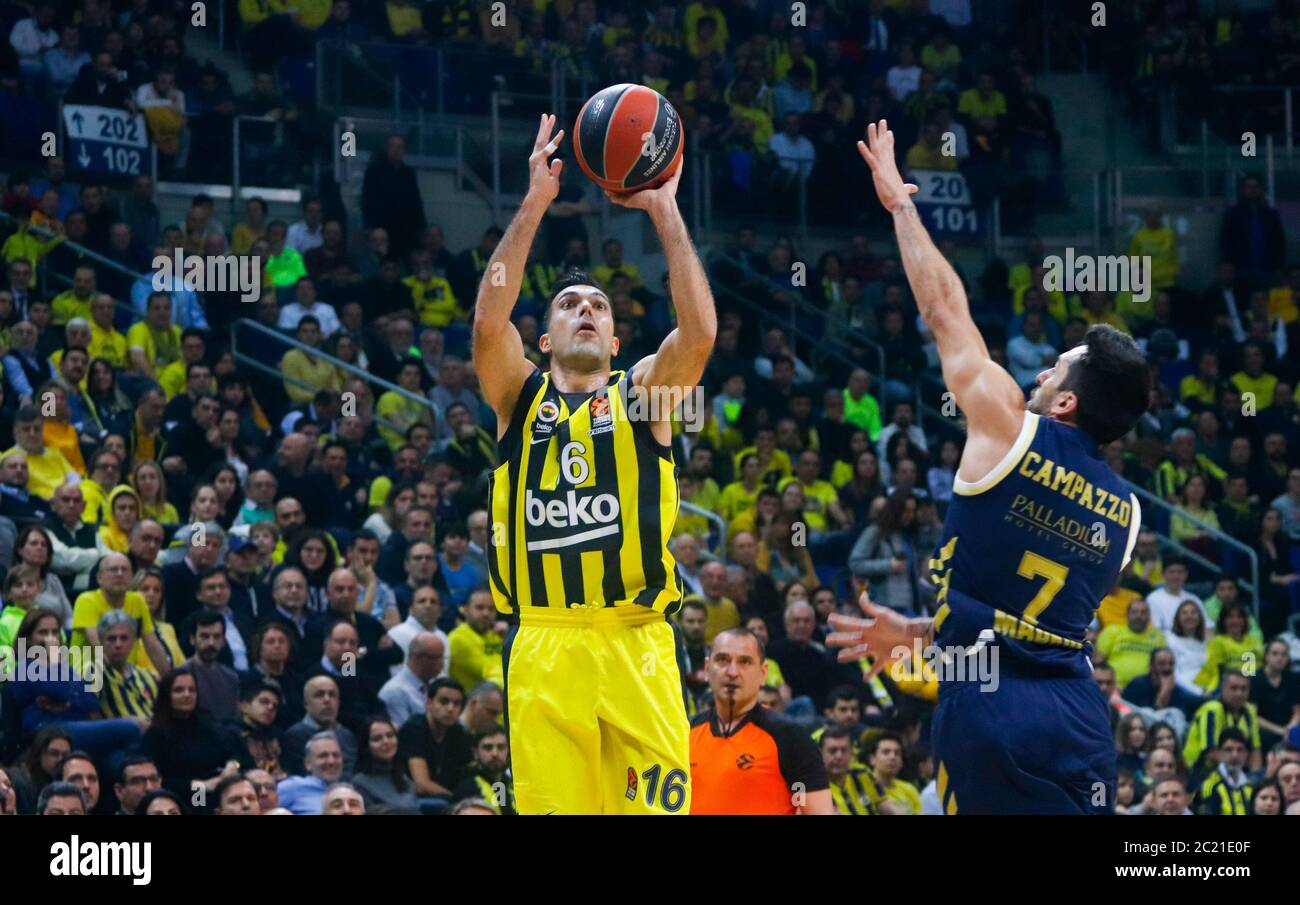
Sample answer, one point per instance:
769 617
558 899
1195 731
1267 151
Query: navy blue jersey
1029 551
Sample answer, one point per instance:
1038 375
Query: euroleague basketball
628 138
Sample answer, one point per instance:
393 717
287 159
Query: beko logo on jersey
573 511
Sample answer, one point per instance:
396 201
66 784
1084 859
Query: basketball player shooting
582 508
1038 530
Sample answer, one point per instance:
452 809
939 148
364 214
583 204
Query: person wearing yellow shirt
48 469
1098 309
1232 647
252 229
1283 301
75 302
1128 647
1158 242
1113 609
821 503
58 432
927 153
28 246
475 644
773 463
722 611
705 40
885 757
984 101
106 341
740 496
1202 388
612 250
1252 378
435 303
154 342
701 8
114 593
395 412
301 367
743 106
175 377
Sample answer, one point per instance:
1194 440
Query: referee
745 758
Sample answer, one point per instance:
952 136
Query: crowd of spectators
286 573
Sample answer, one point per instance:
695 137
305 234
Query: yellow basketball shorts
595 713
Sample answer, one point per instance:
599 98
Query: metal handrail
811 310
1218 533
93 255
326 357
717 522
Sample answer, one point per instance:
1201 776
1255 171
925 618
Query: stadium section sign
944 202
105 140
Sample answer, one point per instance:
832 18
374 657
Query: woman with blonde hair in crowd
149 583
151 487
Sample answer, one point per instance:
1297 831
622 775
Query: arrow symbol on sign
76 121
83 158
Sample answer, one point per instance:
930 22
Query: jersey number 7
1034 566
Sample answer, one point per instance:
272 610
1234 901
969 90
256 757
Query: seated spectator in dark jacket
417 525
321 700
214 596
358 694
16 502
381 653
435 745
187 747
218 684
1157 689
255 730
297 478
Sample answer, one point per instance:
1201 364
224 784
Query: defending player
1038 529
582 508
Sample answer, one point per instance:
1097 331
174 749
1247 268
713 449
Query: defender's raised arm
984 391
498 351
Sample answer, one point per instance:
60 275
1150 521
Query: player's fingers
866 154
876 668
541 133
871 610
848 623
555 142
852 654
844 639
912 189
556 167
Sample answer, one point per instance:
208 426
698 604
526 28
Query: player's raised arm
994 406
685 351
498 351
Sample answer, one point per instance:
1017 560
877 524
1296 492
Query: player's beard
587 353
1038 402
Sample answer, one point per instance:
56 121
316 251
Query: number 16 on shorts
668 796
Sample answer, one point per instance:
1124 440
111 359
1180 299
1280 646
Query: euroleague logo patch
601 419
631 784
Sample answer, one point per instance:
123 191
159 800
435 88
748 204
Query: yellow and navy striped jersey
128 693
583 503
1029 551
1216 798
859 794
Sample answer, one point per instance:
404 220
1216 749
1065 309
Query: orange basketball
627 138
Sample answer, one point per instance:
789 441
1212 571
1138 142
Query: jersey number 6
573 464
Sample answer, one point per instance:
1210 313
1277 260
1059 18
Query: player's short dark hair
1112 382
574 277
1229 734
835 732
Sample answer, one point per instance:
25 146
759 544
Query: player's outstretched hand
878 152
544 173
884 635
648 199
